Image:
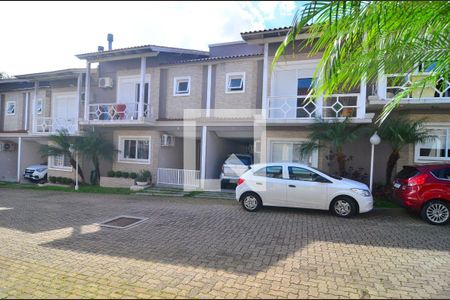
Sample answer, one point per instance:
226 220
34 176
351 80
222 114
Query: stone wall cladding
175 105
245 100
116 182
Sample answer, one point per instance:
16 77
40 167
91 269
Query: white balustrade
178 177
49 125
117 111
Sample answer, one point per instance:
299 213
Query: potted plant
143 178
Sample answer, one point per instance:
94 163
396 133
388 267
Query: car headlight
41 170
361 192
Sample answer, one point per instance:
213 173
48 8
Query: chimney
100 48
110 40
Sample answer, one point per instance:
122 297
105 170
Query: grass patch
193 193
82 188
385 202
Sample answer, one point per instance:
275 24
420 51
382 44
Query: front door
65 112
306 189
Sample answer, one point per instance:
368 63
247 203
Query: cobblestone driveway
51 247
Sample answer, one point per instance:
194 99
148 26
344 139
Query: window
60 162
305 108
235 83
134 149
442 173
288 152
11 108
302 174
181 86
271 172
437 148
39 106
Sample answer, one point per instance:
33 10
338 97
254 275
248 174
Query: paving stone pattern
51 247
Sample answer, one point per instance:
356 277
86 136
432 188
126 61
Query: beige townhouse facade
140 98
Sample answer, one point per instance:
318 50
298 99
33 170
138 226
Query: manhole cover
122 222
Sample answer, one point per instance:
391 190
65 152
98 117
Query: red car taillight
240 181
417 180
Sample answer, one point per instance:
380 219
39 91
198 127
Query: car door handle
291 185
259 183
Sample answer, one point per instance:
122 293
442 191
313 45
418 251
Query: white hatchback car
297 185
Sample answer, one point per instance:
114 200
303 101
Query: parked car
425 189
36 173
298 185
233 167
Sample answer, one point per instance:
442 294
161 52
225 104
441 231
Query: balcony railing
49 125
117 111
397 83
178 177
333 106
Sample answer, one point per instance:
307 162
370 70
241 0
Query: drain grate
122 222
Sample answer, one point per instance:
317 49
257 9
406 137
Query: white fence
178 177
49 125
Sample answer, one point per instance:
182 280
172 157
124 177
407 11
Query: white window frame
176 80
121 144
233 75
270 141
39 100
52 166
434 126
7 105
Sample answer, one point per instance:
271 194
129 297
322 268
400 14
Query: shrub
144 176
52 179
59 179
67 180
125 174
133 175
147 174
111 173
118 173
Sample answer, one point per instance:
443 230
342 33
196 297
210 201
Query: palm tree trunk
340 157
80 172
392 161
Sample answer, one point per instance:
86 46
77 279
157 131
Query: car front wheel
251 202
436 212
344 207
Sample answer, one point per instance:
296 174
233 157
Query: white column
19 157
203 156
142 89
372 154
87 91
265 79
361 110
33 106
27 107
79 84
208 92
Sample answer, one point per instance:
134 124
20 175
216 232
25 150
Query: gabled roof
285 28
216 58
139 50
57 74
268 33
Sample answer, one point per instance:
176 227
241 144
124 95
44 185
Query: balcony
117 112
49 125
287 109
391 85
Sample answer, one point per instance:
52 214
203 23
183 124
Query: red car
425 189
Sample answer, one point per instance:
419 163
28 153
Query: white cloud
42 36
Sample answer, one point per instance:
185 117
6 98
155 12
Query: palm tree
60 145
360 39
399 132
96 147
335 134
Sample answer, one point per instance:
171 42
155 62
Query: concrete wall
8 164
171 157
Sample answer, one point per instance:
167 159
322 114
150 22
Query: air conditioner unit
167 140
105 82
8 147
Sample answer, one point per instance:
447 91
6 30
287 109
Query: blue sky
45 36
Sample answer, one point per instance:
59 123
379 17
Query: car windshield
238 160
328 174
